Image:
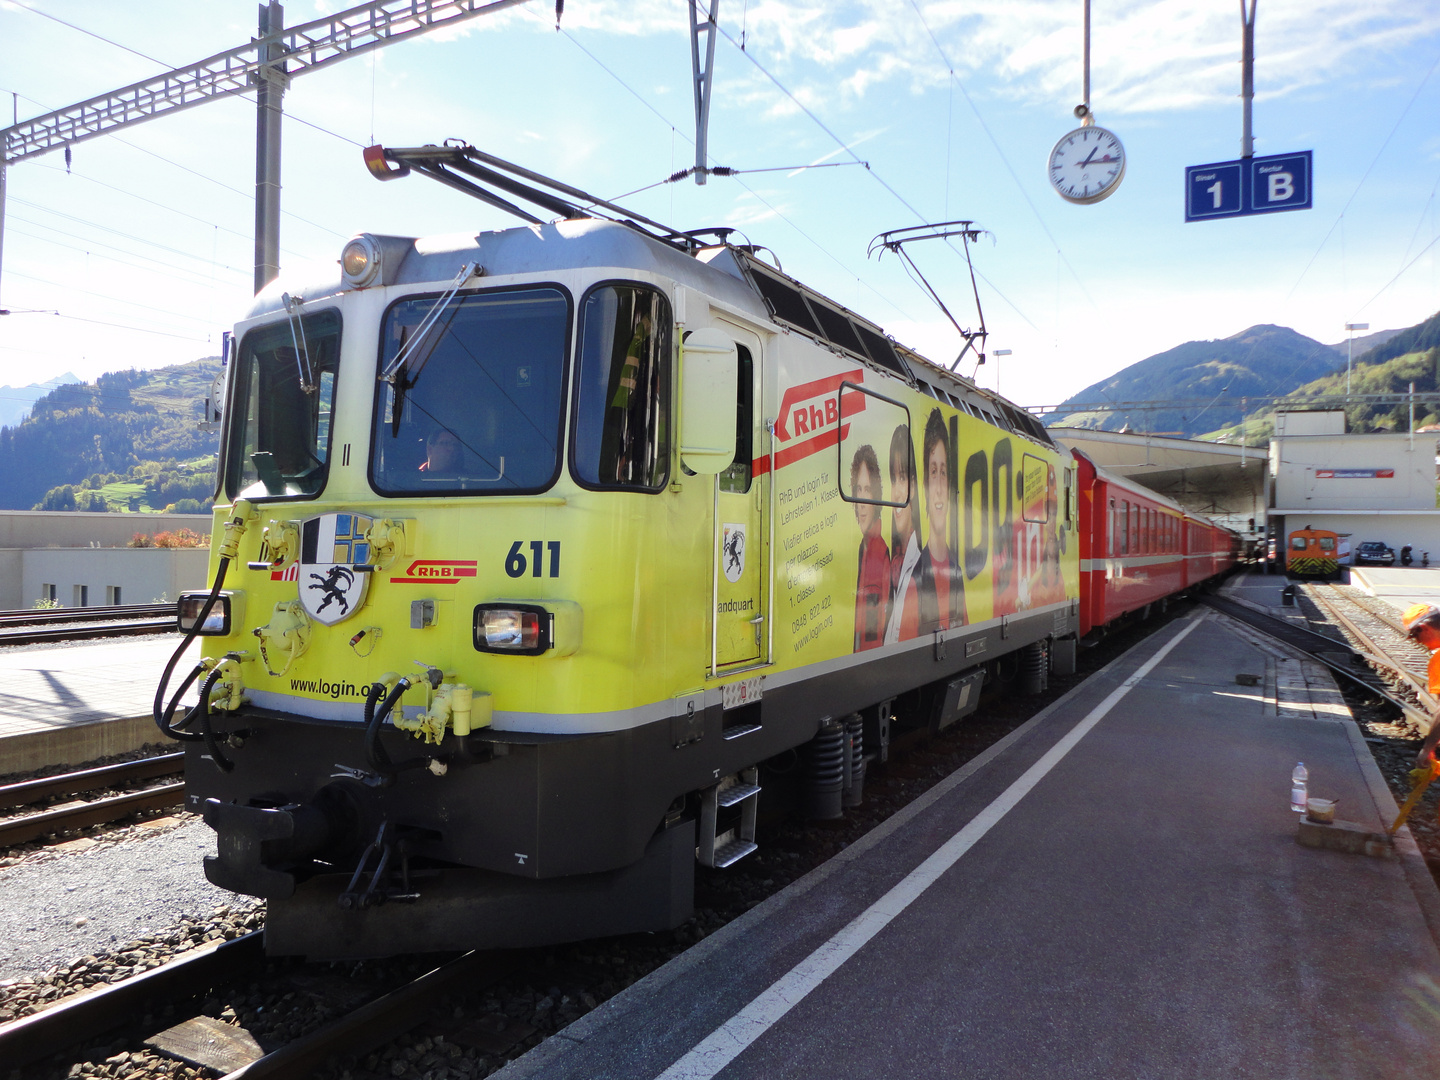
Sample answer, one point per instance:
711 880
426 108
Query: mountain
16 401
1410 356
1363 343
1216 375
133 433
1417 338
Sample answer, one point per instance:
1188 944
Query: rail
1316 645
80 1020
1332 601
112 612
37 627
20 828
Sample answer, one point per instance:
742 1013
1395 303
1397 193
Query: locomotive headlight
360 261
229 610
527 629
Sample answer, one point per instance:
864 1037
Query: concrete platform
1113 891
74 703
1400 586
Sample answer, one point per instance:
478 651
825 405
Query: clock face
1087 165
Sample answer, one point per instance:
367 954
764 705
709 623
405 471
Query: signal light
360 261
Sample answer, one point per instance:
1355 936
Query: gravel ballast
58 905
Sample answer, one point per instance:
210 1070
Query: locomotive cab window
470 393
1298 543
622 389
279 440
1327 543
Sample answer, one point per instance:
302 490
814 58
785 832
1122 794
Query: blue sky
145 246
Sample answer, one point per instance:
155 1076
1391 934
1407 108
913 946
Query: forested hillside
1392 376
129 441
1215 375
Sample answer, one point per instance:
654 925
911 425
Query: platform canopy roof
1209 478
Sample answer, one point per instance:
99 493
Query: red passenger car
1138 547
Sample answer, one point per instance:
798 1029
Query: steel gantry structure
264 65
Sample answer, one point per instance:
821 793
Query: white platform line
727 1041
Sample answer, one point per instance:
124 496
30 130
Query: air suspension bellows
824 757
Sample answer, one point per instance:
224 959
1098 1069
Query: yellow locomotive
534 547
1312 553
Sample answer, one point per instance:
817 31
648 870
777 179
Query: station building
79 559
1367 487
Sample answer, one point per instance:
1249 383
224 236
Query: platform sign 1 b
1260 185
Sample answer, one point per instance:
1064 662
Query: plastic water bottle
1298 787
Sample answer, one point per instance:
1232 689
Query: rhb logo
811 408
813 416
436 571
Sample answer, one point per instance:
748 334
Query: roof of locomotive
734 276
554 247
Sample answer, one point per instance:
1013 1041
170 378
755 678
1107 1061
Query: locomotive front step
717 847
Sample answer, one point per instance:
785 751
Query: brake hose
375 753
163 714
229 549
206 731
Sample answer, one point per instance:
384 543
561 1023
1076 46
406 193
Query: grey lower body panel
461 908
541 838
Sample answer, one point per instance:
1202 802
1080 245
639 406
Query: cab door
742 542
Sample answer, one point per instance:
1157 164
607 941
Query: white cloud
1146 56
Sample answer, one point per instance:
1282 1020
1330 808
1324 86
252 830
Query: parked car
1374 553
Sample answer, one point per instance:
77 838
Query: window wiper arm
297 336
411 349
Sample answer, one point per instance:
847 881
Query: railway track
130 1007
20 828
42 616
30 627
1376 638
1381 635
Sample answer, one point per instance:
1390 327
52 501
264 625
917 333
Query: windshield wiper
411 349
297 336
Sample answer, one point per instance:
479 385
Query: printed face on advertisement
866 487
937 489
900 492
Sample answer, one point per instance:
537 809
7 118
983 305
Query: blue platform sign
1260 185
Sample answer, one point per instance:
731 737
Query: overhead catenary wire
955 80
1365 176
726 170
781 215
106 228
182 273
123 326
249 196
169 208
868 168
114 299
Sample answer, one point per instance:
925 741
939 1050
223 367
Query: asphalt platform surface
1113 891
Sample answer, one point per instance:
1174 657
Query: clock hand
1091 158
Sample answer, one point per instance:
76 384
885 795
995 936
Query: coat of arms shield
331 545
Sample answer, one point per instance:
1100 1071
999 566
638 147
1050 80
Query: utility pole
1247 76
271 81
703 79
1350 328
